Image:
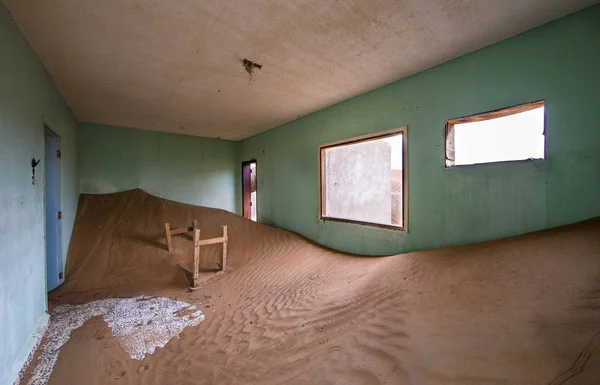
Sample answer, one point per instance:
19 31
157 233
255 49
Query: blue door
54 266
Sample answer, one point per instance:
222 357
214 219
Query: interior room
308 192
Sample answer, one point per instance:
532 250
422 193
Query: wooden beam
224 265
212 241
196 255
168 237
497 113
182 230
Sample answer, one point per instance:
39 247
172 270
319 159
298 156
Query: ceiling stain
249 65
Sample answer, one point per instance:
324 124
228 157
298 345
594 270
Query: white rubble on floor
139 324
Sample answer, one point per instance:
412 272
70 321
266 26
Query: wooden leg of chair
224 266
168 237
196 256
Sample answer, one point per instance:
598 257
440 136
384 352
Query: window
363 180
515 133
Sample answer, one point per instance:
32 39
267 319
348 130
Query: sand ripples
290 312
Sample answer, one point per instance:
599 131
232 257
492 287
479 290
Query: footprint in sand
115 369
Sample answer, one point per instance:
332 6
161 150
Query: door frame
59 258
247 209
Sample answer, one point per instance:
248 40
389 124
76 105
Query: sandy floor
140 325
524 310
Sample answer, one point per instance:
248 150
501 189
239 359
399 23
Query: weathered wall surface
557 62
188 169
359 182
27 97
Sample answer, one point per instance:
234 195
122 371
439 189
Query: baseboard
39 333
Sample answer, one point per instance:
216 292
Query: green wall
183 168
558 62
27 97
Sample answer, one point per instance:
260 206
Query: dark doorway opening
249 189
52 155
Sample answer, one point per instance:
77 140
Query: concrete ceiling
175 65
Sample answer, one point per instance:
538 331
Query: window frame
450 154
362 139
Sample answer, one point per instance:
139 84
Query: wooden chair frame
197 244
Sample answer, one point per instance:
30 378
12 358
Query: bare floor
524 310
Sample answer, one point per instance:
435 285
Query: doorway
52 155
249 189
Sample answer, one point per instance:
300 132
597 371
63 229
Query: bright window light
511 134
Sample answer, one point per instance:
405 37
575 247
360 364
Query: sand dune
524 310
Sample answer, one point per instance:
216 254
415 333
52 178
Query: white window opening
511 134
363 180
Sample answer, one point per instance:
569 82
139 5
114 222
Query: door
249 190
54 266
